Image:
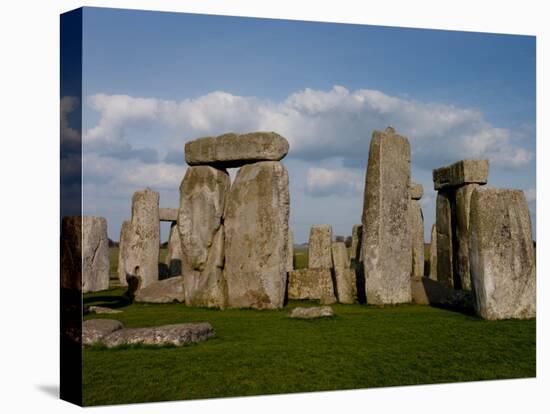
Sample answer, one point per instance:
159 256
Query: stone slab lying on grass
93 330
164 291
311 313
177 334
102 309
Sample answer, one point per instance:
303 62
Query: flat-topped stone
178 334
168 214
460 173
416 191
319 250
234 150
311 313
94 330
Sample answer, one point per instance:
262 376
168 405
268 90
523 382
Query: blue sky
152 81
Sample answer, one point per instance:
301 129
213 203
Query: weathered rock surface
320 247
502 259
444 228
177 334
234 150
462 229
142 249
102 310
344 276
94 330
460 173
416 191
356 236
71 254
386 244
256 236
311 313
433 253
417 238
125 237
168 214
311 284
164 291
290 252
95 254
203 194
174 254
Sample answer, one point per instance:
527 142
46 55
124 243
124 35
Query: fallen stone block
311 313
177 334
94 330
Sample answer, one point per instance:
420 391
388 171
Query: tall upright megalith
386 244
174 254
142 249
356 236
417 230
124 240
256 236
502 257
95 254
319 247
203 194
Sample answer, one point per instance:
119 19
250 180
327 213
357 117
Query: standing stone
386 245
417 230
174 254
95 254
344 276
256 236
203 194
502 258
125 234
235 150
319 251
462 196
433 253
141 262
444 228
290 252
356 235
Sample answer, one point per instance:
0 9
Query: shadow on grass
49 389
112 301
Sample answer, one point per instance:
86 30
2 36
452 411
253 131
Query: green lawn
265 352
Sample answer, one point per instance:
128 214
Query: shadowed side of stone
235 150
426 291
311 313
177 334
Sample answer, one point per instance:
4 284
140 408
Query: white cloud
530 195
323 182
318 125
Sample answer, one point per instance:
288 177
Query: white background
29 139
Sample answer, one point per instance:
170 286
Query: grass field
265 352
